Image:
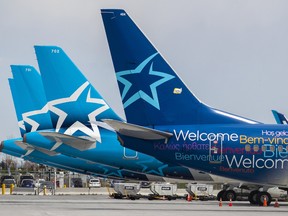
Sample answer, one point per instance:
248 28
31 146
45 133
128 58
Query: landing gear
255 197
220 195
229 195
252 197
226 195
261 196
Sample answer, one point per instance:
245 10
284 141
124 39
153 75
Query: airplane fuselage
256 153
110 152
68 163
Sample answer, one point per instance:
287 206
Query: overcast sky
232 54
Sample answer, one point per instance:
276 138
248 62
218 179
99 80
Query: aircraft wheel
220 195
118 196
252 197
229 194
150 198
260 198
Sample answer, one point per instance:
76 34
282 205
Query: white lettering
259 163
203 136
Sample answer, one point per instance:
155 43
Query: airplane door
130 154
216 151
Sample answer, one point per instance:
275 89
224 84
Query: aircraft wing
79 143
137 131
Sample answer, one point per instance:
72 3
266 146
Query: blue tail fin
152 93
72 99
29 98
279 117
17 103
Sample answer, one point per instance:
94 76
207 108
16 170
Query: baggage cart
163 191
200 191
126 190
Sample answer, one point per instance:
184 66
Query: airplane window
280 148
287 148
264 148
247 148
272 148
256 148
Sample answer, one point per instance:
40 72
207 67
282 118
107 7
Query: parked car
112 182
77 182
22 177
9 182
27 183
93 183
48 184
6 177
49 187
38 182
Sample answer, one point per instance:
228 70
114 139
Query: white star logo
77 125
156 79
27 117
21 125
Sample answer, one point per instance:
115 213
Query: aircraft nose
1 146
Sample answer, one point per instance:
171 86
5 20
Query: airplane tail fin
29 99
70 96
151 91
17 104
279 117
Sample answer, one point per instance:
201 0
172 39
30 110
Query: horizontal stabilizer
31 148
136 131
79 143
47 152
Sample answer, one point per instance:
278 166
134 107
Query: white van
95 182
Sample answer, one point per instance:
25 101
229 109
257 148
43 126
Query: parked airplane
28 95
15 148
279 117
168 122
21 154
76 108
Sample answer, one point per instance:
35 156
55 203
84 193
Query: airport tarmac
75 205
